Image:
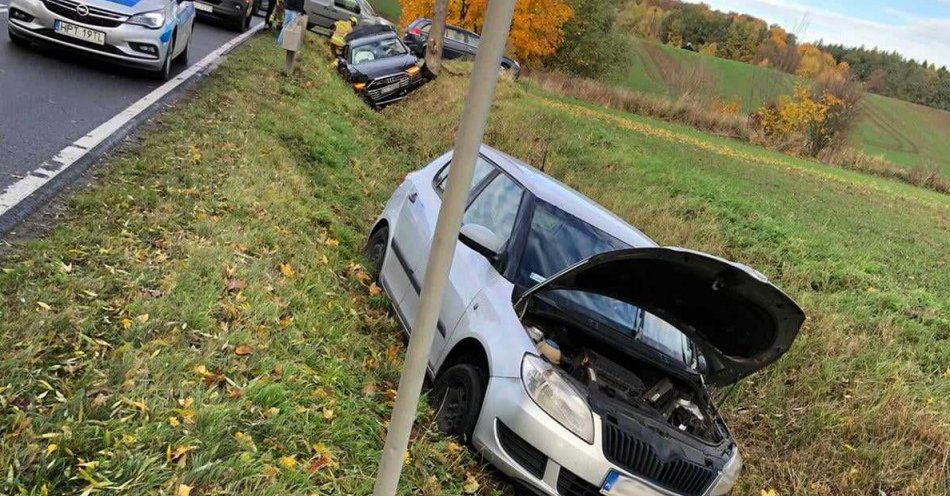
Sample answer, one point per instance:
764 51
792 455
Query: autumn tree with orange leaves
536 28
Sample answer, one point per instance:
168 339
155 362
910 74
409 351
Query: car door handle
413 196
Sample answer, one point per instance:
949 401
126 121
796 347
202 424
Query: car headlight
730 475
556 396
153 20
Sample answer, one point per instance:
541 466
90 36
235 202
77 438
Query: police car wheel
165 73
183 56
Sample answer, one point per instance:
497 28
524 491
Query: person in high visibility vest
341 29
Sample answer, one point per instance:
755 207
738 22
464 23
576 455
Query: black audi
379 66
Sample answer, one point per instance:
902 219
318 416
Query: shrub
590 45
810 119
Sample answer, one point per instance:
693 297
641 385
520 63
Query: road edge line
78 156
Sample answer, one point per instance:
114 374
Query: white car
573 352
150 34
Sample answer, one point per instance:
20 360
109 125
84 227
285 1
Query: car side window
496 207
350 5
455 35
482 169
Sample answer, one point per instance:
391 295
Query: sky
918 29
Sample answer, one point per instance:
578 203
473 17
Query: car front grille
639 458
569 484
521 451
95 17
375 88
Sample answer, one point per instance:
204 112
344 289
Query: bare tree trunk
433 55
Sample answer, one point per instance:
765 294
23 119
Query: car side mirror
482 240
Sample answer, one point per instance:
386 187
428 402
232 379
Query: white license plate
203 7
389 88
621 485
79 32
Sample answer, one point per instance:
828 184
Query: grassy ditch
199 319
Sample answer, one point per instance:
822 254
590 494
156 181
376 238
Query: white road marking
22 189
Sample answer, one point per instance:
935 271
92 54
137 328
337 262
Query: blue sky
917 28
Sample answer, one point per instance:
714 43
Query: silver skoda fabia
150 34
573 352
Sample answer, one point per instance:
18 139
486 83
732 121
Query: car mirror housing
482 240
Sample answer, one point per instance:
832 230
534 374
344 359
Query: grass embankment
197 318
908 135
291 172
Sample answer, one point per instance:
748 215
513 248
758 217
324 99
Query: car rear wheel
243 23
457 398
375 251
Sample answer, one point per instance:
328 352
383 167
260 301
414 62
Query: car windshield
558 240
376 49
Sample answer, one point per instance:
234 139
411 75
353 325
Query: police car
150 34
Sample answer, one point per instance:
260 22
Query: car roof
370 37
566 198
453 26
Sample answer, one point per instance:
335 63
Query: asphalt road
49 98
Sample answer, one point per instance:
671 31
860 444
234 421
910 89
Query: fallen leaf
470 486
142 318
43 305
51 448
270 471
374 289
236 284
286 270
271 412
369 389
328 413
173 421
406 459
288 462
183 490
453 447
243 350
126 322
768 492
316 463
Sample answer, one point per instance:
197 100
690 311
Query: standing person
341 28
292 31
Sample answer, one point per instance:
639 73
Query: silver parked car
321 14
573 352
150 34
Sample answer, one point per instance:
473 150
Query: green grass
124 368
907 134
121 328
390 9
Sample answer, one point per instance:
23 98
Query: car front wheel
375 251
457 397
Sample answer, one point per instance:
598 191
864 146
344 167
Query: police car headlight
153 20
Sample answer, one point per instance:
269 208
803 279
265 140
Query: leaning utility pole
468 139
433 55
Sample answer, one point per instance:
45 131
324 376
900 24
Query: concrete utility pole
468 139
433 55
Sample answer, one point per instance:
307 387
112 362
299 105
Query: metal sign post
468 138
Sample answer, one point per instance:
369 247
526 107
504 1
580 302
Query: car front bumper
119 39
569 466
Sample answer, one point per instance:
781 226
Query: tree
590 44
433 55
536 29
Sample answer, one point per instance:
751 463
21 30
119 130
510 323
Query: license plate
79 32
621 485
203 7
389 88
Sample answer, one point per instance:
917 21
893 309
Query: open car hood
739 321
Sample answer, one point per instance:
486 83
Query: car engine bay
627 383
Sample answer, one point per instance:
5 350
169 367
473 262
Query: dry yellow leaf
42 305
768 492
324 260
126 322
183 490
453 447
243 350
173 421
51 448
374 289
288 462
406 459
286 270
142 318
471 485
332 242
271 412
270 471
328 413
